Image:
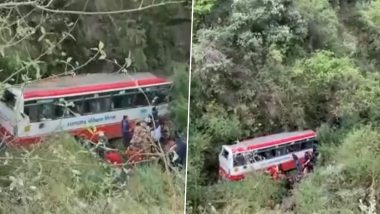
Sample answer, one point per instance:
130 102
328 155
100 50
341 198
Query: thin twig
86 13
15 4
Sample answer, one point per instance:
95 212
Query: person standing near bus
180 149
307 165
315 153
155 113
298 165
126 131
156 133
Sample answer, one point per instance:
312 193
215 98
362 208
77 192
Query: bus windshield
9 99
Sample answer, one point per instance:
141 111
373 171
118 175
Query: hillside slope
264 67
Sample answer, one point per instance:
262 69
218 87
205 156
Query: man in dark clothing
298 165
314 154
180 150
155 113
126 131
308 165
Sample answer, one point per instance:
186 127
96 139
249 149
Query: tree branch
106 12
15 4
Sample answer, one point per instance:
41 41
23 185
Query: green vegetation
263 67
39 39
61 176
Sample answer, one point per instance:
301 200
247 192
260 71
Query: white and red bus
261 153
74 103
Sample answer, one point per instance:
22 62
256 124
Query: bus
73 103
261 153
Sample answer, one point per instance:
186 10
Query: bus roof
269 140
85 83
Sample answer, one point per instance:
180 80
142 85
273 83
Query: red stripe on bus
92 88
272 143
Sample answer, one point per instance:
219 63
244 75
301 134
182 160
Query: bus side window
281 150
9 99
306 145
78 107
46 112
225 154
262 155
117 102
105 104
141 100
161 94
94 106
251 157
270 153
257 157
239 160
58 111
123 101
295 147
86 107
32 112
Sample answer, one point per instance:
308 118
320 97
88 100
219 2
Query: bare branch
46 52
106 12
15 4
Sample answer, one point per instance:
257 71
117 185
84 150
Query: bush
349 178
60 176
249 196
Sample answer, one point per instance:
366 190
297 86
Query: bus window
295 147
86 107
281 150
123 101
91 106
77 108
32 112
141 100
159 93
94 106
239 160
225 154
105 104
46 111
306 145
270 153
251 157
117 102
262 155
258 157
59 111
9 99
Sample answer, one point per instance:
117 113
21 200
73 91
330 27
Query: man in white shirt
156 134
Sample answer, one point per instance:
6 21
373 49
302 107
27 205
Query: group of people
147 137
303 167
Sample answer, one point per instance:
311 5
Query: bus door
240 165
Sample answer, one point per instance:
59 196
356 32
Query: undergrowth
60 176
